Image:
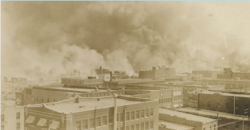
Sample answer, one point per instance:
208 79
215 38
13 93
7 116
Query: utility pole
243 124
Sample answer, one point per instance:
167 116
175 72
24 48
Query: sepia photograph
125 65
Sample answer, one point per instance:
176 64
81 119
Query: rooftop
91 104
186 116
175 126
82 90
209 113
226 94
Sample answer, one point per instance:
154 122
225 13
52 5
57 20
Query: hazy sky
62 36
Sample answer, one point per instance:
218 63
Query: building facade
157 73
12 116
94 114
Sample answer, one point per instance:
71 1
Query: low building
166 125
12 116
41 94
94 113
229 74
226 121
198 122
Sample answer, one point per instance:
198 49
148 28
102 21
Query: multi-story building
229 74
197 122
109 113
158 73
224 102
169 97
37 95
12 116
237 86
78 82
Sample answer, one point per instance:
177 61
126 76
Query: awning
30 120
54 125
42 122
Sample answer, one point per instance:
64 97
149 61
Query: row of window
86 124
136 114
18 126
17 116
165 100
142 126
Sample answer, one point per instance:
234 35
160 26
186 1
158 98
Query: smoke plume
63 36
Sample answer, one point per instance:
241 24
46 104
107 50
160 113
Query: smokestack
110 75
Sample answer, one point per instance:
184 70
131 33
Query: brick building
94 113
224 102
158 73
197 122
79 82
37 95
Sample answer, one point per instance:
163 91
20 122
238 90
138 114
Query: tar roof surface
88 105
186 116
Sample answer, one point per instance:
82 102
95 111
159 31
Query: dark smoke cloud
63 36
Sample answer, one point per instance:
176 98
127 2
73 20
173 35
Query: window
147 126
18 115
85 124
132 127
104 120
142 126
121 117
127 115
151 111
117 117
127 127
2 117
237 125
17 125
147 113
137 127
98 121
137 114
132 115
92 123
208 104
151 125
2 127
142 113
78 125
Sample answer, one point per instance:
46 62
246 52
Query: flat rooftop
71 107
81 90
210 113
186 116
175 126
225 94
